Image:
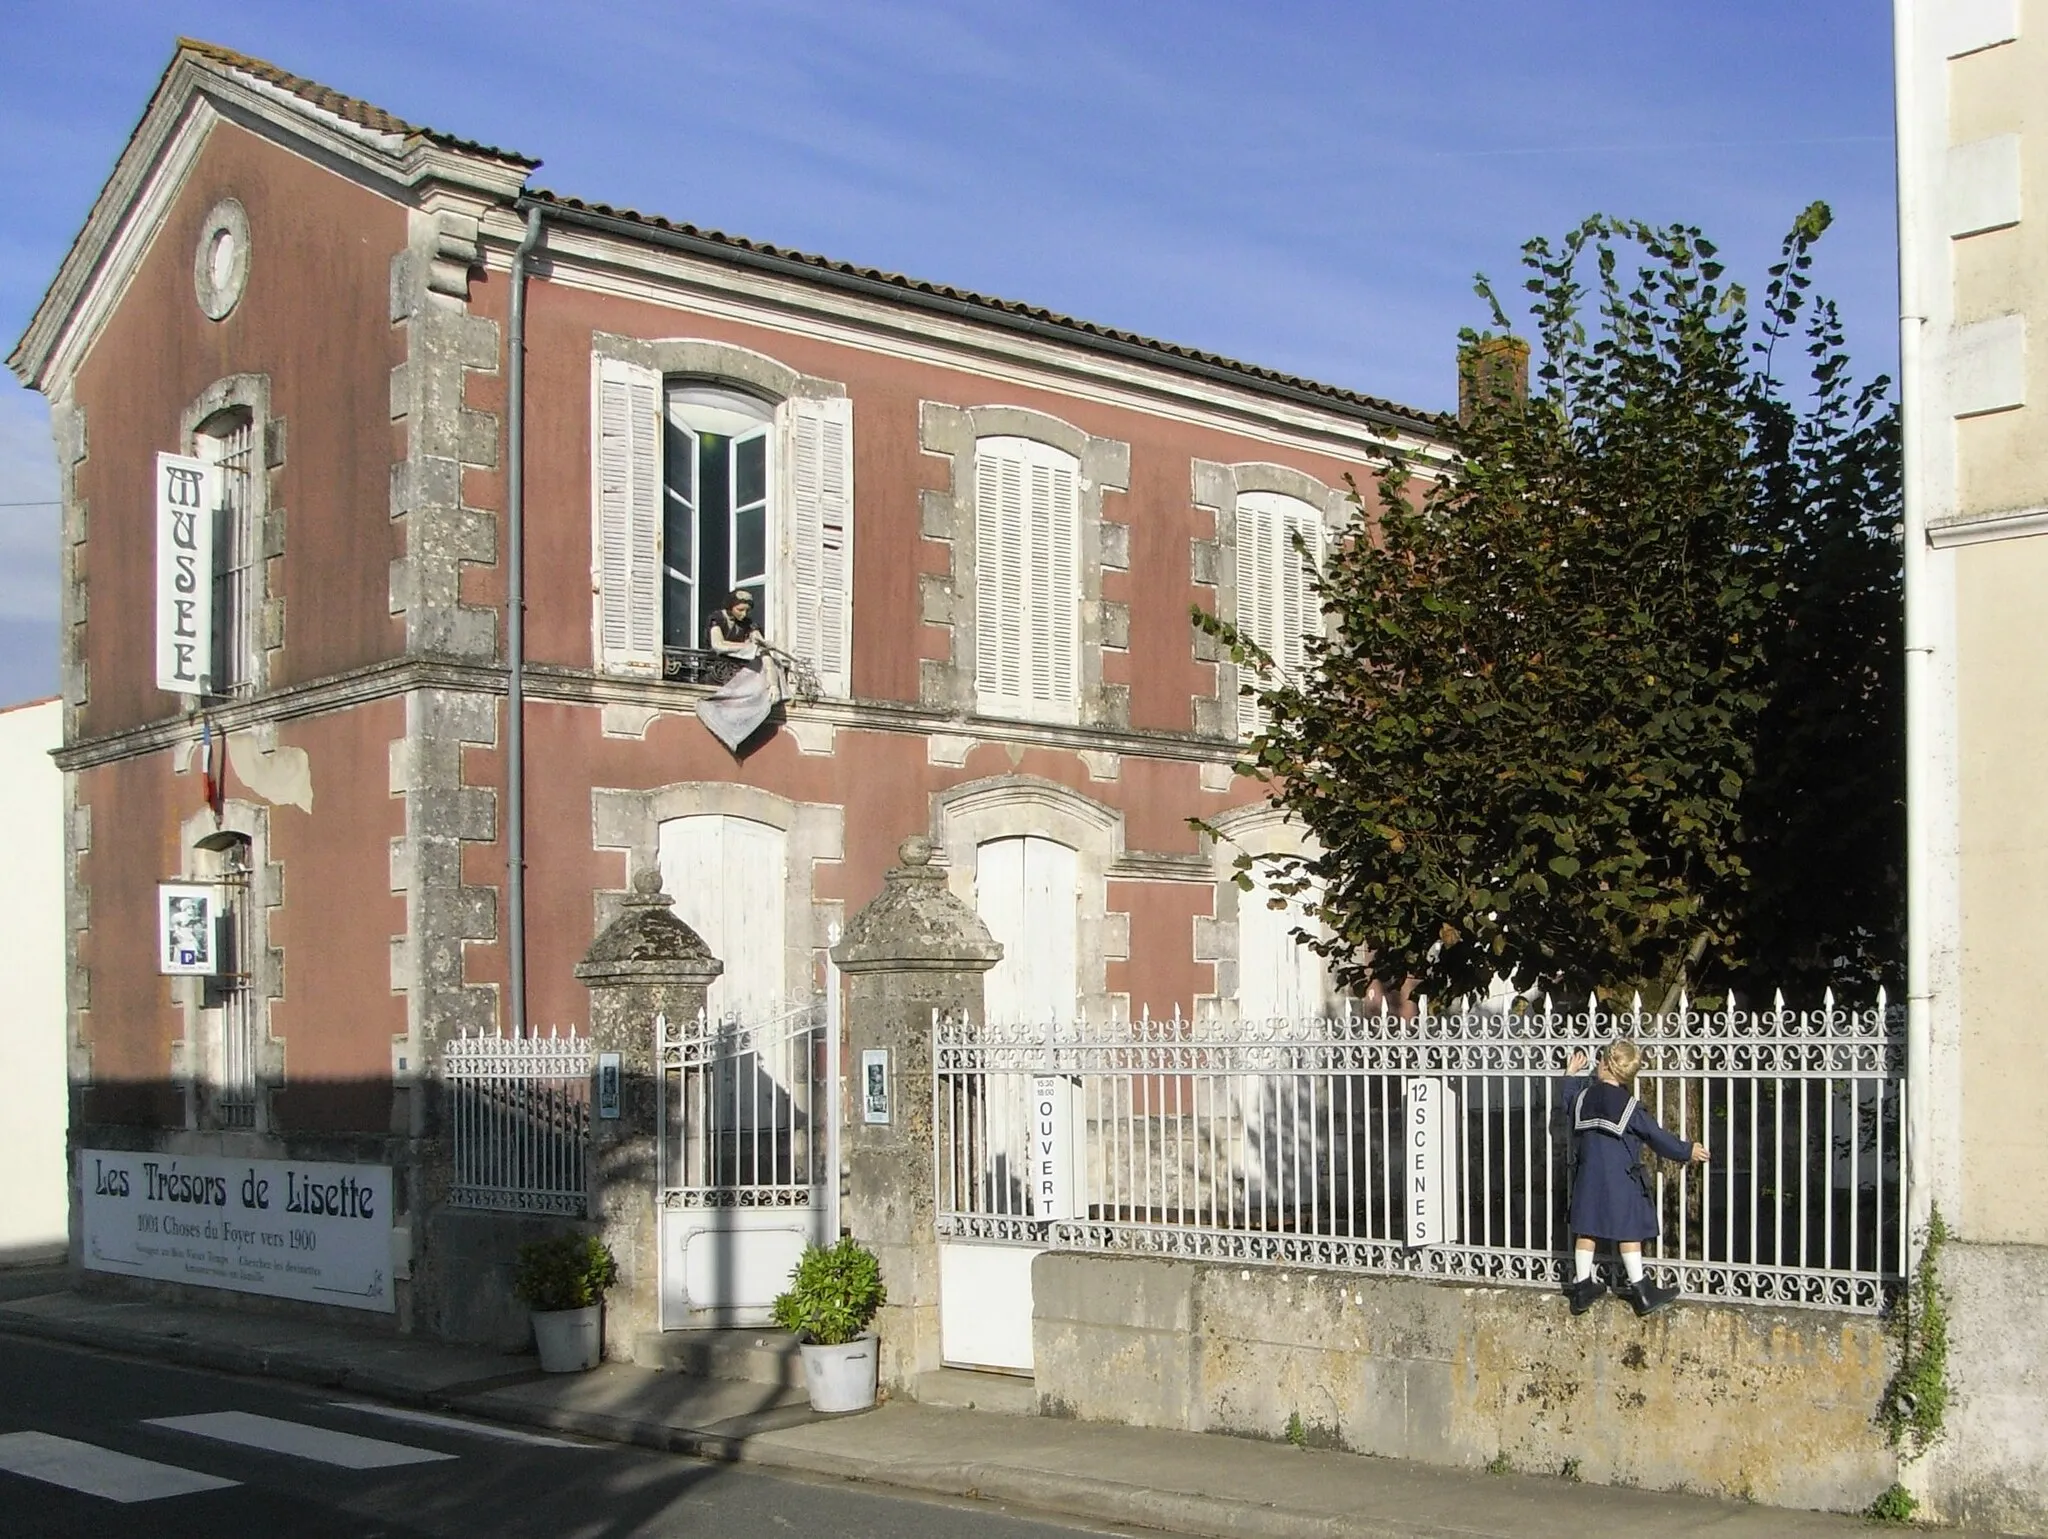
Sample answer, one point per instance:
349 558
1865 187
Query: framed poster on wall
188 931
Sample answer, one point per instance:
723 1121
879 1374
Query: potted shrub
563 1281
831 1300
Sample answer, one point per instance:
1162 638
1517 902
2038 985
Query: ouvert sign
290 1228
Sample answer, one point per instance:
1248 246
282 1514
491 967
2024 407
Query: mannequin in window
736 712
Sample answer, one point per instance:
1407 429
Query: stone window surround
195 1057
703 361
630 821
1258 828
948 516
1014 806
250 393
218 300
1216 487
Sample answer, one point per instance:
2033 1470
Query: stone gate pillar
914 949
645 964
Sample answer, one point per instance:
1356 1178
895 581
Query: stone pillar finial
915 924
914 951
645 965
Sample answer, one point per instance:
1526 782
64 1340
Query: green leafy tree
1552 731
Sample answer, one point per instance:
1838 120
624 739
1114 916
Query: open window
702 488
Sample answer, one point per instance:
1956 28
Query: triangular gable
203 84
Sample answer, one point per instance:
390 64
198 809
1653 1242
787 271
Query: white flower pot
842 1378
570 1340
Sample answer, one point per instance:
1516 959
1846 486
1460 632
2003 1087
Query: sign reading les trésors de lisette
295 1229
187 492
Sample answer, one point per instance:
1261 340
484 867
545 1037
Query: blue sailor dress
1611 1186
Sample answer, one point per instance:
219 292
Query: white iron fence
519 1121
1311 1142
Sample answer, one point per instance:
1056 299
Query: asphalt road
93 1446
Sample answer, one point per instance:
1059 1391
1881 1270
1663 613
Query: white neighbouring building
1973 233
32 1217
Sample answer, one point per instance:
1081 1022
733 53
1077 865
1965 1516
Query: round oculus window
220 267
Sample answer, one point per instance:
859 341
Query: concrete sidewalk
1182 1482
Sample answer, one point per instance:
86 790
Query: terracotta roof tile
1294 384
349 109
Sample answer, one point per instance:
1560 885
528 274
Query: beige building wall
1973 185
1995 203
34 1199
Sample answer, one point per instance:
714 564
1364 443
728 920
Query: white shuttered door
818 535
1027 893
1276 601
1277 976
727 876
1027 580
626 536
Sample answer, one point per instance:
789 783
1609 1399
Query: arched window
717 529
231 1023
1276 599
704 485
227 439
1027 580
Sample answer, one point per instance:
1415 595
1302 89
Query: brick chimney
1491 370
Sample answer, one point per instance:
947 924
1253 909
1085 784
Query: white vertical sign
1052 1146
1425 1148
187 492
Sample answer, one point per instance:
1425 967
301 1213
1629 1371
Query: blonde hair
1623 1059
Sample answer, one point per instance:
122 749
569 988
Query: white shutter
1254 604
1297 588
727 875
626 537
1027 579
1026 890
1277 976
1276 601
820 538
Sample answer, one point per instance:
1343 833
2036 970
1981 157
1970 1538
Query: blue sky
1308 186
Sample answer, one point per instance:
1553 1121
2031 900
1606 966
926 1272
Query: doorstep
966 1389
746 1355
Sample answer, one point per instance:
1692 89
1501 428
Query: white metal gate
748 1147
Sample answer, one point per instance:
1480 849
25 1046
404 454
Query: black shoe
1584 1295
1646 1297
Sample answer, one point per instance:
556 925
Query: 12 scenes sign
289 1228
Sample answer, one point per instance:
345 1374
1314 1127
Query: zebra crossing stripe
96 1471
299 1440
456 1424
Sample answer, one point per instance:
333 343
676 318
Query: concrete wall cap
915 924
648 943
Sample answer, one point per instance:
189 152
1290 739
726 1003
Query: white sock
1582 1265
1632 1263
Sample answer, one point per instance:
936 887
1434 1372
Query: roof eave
1416 423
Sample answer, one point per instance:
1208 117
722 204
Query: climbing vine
1916 1400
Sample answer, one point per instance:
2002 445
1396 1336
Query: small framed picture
187 930
874 1083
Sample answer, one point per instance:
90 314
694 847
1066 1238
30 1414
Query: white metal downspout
515 627
1924 746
